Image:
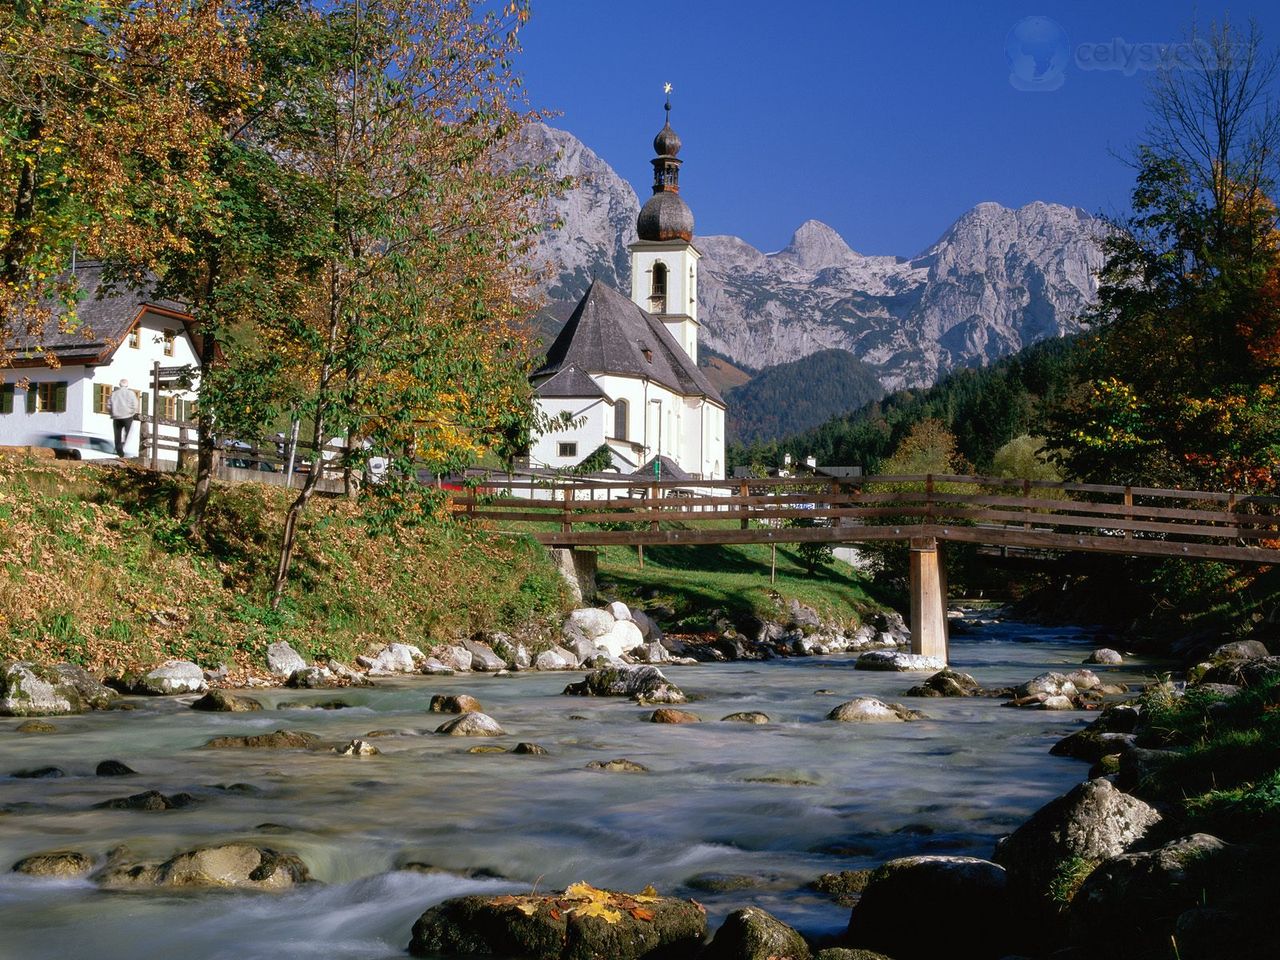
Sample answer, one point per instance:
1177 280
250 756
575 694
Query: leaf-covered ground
97 567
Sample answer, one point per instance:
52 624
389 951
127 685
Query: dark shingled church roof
670 470
105 314
570 382
609 334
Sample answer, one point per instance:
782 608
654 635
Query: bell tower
664 261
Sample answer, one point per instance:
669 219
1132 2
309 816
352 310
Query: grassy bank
695 580
98 569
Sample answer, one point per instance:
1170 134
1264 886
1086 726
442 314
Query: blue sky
885 120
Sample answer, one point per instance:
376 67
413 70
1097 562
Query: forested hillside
797 396
984 408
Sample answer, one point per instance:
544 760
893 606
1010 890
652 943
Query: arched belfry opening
658 289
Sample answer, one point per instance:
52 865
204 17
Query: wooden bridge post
928 599
744 490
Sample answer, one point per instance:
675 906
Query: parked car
78 446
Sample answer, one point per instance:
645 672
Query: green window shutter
144 404
6 398
31 398
60 397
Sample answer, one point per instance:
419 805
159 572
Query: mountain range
997 280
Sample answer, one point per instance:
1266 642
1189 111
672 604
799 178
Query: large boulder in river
282 659
455 703
581 924
588 623
947 683
963 899
1105 656
644 684
276 740
28 690
1241 650
393 658
871 710
896 660
62 864
94 694
1091 822
220 701
471 724
753 934
238 865
483 657
454 657
1112 732
623 637
171 677
557 658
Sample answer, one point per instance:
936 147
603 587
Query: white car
78 446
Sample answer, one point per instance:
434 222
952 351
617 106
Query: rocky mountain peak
816 246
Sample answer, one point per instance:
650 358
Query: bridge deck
1137 521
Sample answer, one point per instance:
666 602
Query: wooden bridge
922 511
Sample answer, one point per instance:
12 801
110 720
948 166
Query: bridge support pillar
928 599
578 567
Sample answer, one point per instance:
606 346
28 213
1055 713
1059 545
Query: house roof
607 333
106 314
570 382
670 470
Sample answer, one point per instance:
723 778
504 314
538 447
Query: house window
187 410
621 409
168 407
568 449
48 397
6 397
169 337
135 339
102 398
658 289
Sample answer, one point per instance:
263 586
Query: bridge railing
974 509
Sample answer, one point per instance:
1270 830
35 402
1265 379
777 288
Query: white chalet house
120 334
626 370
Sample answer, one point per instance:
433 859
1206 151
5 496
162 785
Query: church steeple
666 216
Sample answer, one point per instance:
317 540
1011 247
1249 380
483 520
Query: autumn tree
1183 387
105 140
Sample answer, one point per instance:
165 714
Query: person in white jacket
124 410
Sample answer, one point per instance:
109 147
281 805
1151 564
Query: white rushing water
858 794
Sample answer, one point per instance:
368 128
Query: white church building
625 371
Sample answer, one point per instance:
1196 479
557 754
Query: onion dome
666 216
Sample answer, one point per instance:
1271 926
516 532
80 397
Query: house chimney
811 463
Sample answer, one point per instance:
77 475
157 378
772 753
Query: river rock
220 701
471 725
847 953
312 678
1058 702
557 658
620 765
619 610
530 749
583 650
588 623
171 677
453 657
1050 684
114 768
967 906
28 690
1092 821
844 887
650 652
392 659
1139 763
277 740
648 629
483 657
435 668
1105 656
622 638
357 748
668 715
35 726
896 660
61 864
1240 650
644 684
947 683
457 703
1132 901
597 926
1243 673
753 934
282 659
151 800
746 716
236 865
1112 732
94 694
871 710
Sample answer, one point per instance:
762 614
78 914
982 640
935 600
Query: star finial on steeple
666 88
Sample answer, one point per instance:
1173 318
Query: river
853 795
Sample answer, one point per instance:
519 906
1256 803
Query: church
625 370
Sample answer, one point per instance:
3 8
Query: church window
658 289
620 411
568 449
